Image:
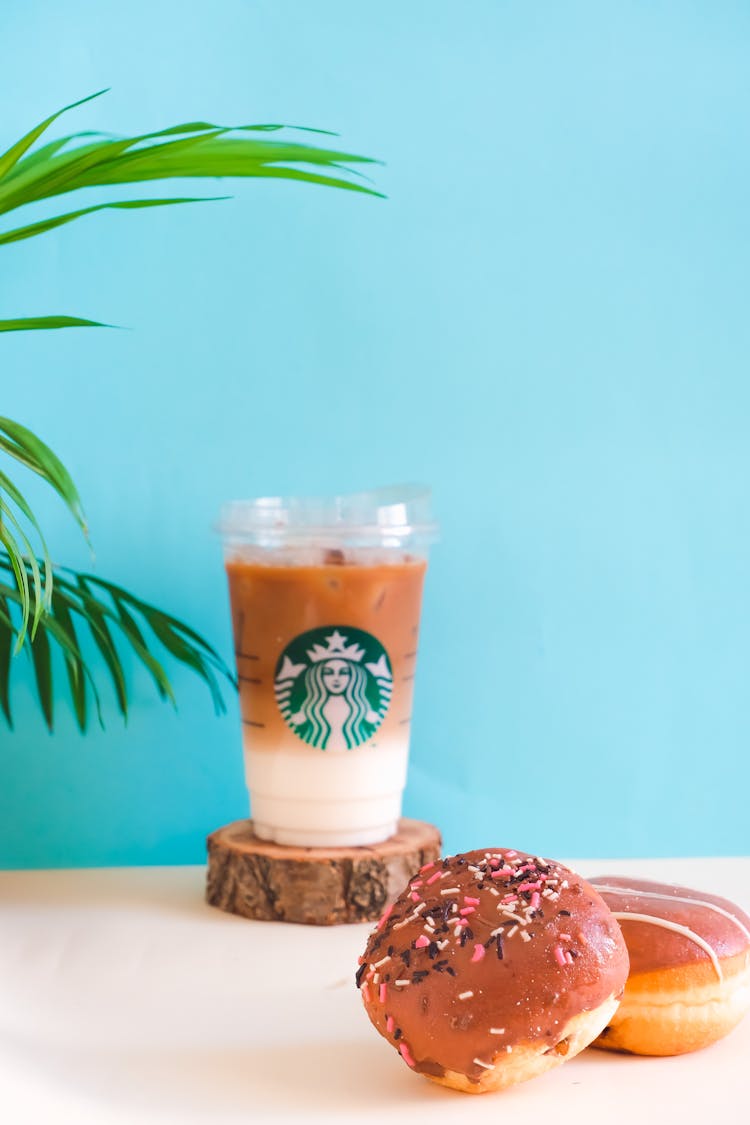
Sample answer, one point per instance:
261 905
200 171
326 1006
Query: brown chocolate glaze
485 951
716 921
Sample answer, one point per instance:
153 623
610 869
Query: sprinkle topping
458 910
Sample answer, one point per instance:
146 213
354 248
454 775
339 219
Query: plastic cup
325 598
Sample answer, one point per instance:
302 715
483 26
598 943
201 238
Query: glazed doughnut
491 967
689 981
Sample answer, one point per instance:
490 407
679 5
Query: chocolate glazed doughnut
689 982
491 967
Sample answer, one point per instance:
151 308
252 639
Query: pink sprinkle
506 899
365 993
467 910
434 878
559 953
529 887
497 874
390 1024
385 916
473 901
414 896
565 937
406 1055
535 900
381 994
511 855
425 867
494 862
416 883
422 942
478 953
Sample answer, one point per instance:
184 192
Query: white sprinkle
509 914
513 931
499 930
417 911
487 1066
376 978
450 891
429 927
382 961
525 936
547 892
442 944
509 1048
494 891
497 1031
400 983
565 884
465 995
472 867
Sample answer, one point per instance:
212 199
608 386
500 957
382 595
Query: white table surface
124 998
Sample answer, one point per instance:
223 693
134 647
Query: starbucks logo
333 686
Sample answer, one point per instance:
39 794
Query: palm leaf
75 665
76 604
41 656
16 151
6 652
102 636
59 220
19 442
17 564
11 544
119 595
32 323
7 485
197 149
200 149
192 150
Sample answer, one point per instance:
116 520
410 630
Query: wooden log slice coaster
315 886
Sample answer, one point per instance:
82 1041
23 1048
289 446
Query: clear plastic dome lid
398 515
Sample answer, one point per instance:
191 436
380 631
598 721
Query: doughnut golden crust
689 982
492 967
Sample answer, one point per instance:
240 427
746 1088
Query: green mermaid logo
333 686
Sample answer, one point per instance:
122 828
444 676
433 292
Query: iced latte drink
325 601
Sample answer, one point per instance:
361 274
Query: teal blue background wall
547 319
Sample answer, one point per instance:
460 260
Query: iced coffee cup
325 598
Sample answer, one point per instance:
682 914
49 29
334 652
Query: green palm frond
32 323
193 150
44 225
40 612
88 613
22 445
